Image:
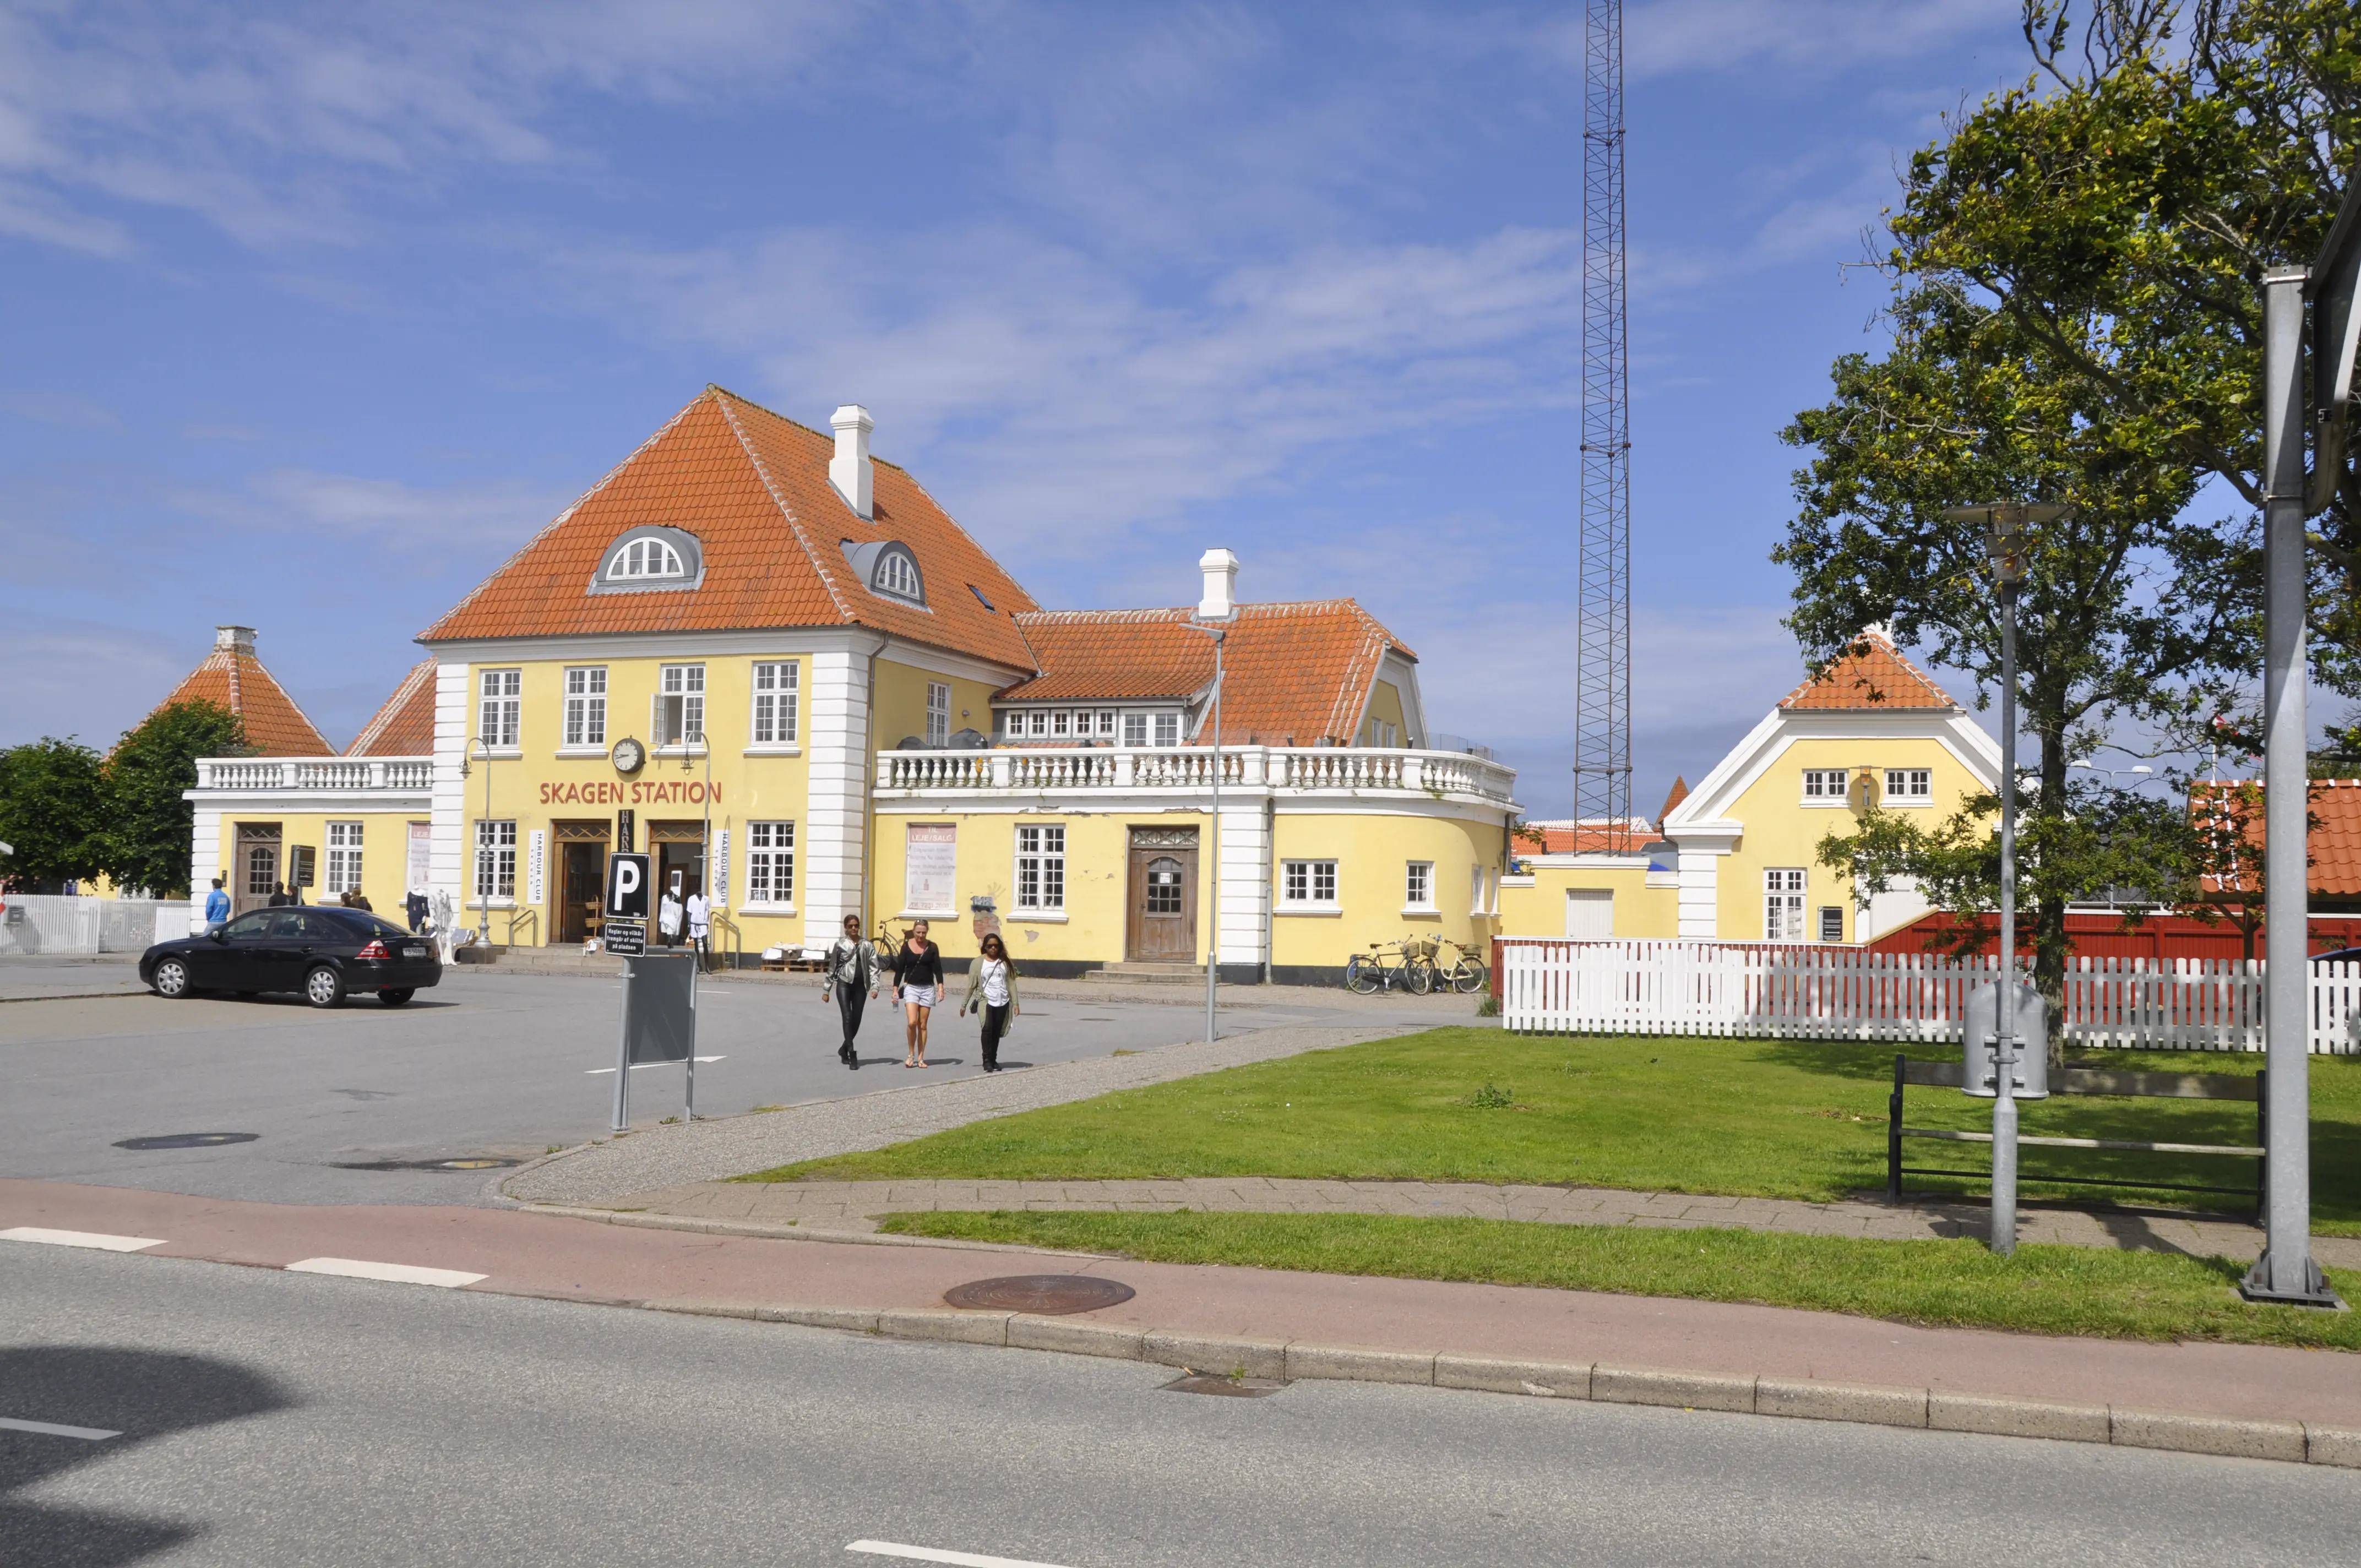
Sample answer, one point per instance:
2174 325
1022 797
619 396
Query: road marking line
935 1555
639 1066
400 1273
79 1238
50 1428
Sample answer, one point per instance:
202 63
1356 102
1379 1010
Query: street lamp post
2004 542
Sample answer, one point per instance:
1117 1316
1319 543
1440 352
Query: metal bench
2083 1081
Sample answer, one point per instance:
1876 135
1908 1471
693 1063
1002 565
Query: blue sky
312 314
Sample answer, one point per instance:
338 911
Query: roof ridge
554 524
771 489
827 435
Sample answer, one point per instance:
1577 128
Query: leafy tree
51 812
145 840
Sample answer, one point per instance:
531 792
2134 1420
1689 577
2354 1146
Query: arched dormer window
649 559
888 569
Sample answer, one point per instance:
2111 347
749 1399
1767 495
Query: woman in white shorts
917 981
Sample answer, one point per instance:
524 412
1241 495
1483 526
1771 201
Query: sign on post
627 887
625 938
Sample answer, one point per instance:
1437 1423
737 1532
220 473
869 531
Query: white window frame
939 714
685 681
1106 724
1134 730
1041 870
496 858
1308 886
774 719
897 577
1785 890
1826 786
500 711
344 872
585 717
770 868
1909 786
1037 724
1418 887
645 558
1061 724
1167 729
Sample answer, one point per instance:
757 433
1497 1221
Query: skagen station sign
630 792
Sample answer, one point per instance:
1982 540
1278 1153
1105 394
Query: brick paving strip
613 1170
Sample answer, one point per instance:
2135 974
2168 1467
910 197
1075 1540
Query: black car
2340 956
325 952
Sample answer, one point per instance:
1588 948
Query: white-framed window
1832 922
1909 784
770 862
1038 722
1418 885
1783 905
680 704
586 706
1824 783
939 714
495 859
645 558
777 695
1134 730
897 575
1308 884
344 857
1061 724
1106 723
498 712
1167 729
1041 867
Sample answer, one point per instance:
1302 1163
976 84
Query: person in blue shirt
216 906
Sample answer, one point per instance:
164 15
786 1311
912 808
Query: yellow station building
773 663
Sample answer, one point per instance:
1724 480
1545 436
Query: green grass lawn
2043 1290
1764 1118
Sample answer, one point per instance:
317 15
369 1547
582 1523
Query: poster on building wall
536 858
721 867
930 867
420 869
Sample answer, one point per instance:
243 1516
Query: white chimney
233 640
1221 600
850 470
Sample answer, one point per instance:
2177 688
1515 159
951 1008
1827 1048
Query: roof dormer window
888 569
646 559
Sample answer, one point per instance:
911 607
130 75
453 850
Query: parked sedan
324 952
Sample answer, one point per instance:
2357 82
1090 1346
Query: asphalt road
344 1105
286 1418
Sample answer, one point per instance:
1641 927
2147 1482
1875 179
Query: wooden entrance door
1162 928
581 851
258 872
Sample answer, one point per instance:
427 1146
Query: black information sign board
625 938
627 887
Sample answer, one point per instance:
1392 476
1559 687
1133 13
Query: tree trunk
2049 941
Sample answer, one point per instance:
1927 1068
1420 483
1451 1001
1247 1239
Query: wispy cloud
386 513
1801 40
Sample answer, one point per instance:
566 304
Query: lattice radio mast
1602 681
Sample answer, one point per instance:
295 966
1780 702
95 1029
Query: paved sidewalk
1718 1355
612 1169
854 1206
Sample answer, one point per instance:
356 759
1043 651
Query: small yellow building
1735 859
775 665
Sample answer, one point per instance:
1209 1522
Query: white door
1589 914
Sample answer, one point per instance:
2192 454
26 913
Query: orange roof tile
2334 841
752 488
404 727
1871 672
232 677
1294 674
1565 836
1680 792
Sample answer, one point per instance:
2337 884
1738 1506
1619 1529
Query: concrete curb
2293 1442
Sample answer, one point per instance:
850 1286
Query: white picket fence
58 923
1844 993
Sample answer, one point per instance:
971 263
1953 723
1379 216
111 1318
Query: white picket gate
1844 993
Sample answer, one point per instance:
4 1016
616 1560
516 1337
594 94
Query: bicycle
1367 973
1466 973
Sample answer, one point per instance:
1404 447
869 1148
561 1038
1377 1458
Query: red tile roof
1870 674
1294 674
404 727
233 678
1565 836
752 488
2334 841
1680 792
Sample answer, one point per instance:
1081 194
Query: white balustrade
1326 769
348 773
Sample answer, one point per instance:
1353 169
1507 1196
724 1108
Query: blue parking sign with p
627 887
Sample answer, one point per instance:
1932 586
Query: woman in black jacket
919 981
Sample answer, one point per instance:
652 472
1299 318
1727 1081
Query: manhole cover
467 1162
187 1140
1046 1294
1233 1388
